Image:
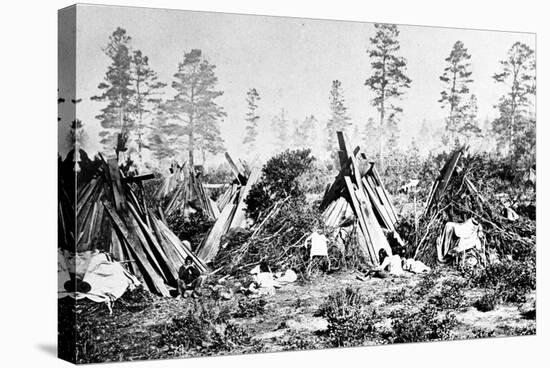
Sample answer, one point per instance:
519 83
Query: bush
510 279
428 283
413 325
303 341
487 302
451 295
280 179
204 328
396 296
350 323
248 308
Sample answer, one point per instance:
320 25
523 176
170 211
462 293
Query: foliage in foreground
350 320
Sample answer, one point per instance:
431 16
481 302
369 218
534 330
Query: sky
290 61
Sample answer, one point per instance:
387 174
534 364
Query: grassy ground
165 327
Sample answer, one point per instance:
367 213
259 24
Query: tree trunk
191 149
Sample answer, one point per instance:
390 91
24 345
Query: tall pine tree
116 90
279 124
339 119
469 131
251 118
162 135
147 90
388 81
518 76
370 138
194 105
456 78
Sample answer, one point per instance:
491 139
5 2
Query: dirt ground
288 322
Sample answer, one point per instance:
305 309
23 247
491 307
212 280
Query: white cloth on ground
108 279
287 277
414 266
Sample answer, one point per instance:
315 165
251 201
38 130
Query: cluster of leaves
396 296
451 295
427 283
350 320
304 341
192 228
280 180
249 308
511 280
205 327
424 324
487 302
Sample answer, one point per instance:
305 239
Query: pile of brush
480 188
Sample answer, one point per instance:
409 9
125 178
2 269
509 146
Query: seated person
189 279
391 265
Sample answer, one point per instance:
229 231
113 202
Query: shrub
417 325
280 179
510 279
303 341
248 308
204 328
396 296
487 302
427 283
350 323
451 295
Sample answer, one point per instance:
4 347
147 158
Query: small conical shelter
183 189
359 193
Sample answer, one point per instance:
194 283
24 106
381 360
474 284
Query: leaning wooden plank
179 246
387 205
368 250
338 184
138 253
169 269
342 143
240 215
377 236
378 207
238 174
116 247
116 184
82 200
444 177
214 207
138 179
209 247
385 192
174 256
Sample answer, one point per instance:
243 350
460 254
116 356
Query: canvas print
234 184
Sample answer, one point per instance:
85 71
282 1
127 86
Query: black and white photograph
238 184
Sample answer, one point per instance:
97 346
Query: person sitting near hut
190 279
389 265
